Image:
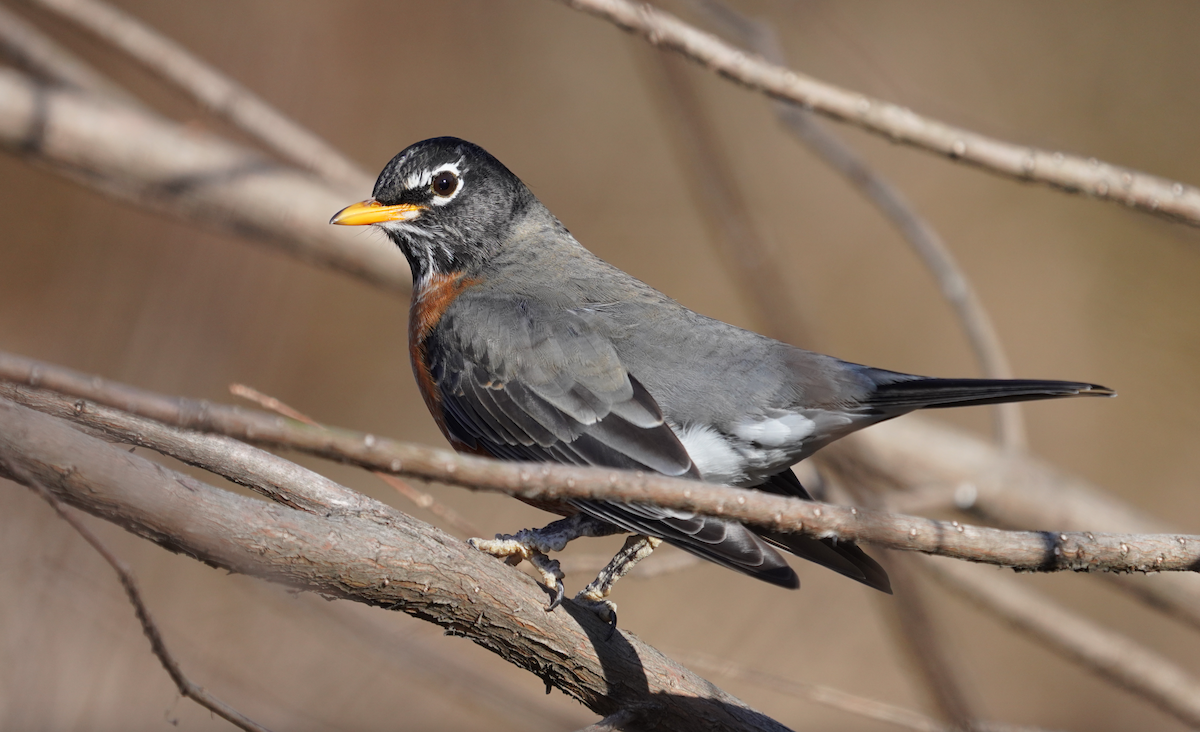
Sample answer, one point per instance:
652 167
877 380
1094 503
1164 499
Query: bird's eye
444 183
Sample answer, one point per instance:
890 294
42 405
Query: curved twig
186 686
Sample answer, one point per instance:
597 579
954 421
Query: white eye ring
432 178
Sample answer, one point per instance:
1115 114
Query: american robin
528 347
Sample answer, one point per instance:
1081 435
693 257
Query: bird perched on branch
528 347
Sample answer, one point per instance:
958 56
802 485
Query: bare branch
1104 652
278 479
165 166
1013 491
33 50
211 88
953 283
1034 551
186 686
1070 173
399 563
720 203
420 498
917 636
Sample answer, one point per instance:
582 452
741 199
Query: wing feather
546 387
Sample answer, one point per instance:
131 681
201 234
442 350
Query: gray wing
527 383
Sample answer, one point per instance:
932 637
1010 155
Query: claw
559 593
612 628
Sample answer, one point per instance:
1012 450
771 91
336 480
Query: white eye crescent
444 182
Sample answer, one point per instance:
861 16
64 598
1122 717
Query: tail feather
843 557
928 393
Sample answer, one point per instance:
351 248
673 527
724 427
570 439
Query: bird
528 347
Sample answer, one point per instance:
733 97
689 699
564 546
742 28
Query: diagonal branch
420 498
42 56
1010 491
397 562
140 157
211 88
1070 173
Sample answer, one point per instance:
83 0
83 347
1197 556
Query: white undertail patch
786 430
711 452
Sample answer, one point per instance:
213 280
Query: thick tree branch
420 498
1034 551
1070 173
397 562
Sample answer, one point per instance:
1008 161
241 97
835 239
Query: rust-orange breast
429 304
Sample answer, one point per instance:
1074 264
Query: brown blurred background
1079 290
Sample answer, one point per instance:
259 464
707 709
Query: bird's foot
604 608
533 546
527 546
595 595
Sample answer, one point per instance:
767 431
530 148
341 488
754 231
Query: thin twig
211 88
1071 173
1108 654
720 202
913 627
259 470
921 454
953 283
1026 550
33 50
159 646
418 497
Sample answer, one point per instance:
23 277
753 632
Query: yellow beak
371 211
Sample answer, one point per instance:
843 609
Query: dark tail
843 557
925 393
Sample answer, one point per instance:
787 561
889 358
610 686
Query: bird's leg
533 545
595 595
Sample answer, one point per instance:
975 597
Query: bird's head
448 205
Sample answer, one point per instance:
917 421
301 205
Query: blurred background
1079 289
